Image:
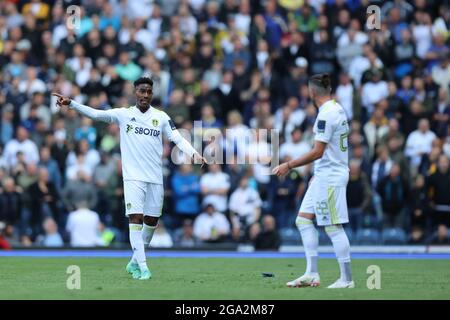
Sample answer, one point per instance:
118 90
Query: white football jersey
332 127
141 143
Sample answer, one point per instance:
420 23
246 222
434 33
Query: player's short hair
143 80
321 84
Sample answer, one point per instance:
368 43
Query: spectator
4 244
382 165
186 191
214 187
25 175
102 174
211 225
209 119
20 144
11 203
345 94
438 186
288 118
359 196
84 227
235 171
83 157
295 148
52 167
186 238
429 163
324 58
37 103
373 92
422 33
393 191
259 157
51 238
268 238
440 72
395 104
375 129
86 132
44 201
419 142
126 69
284 195
417 235
404 54
441 237
418 203
245 206
79 190
406 92
442 113
177 109
6 126
161 238
110 141
238 135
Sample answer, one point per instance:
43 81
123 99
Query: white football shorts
328 203
143 198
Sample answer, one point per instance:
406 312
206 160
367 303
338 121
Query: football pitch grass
217 278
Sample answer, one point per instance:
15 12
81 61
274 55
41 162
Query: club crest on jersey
155 122
321 125
129 127
128 206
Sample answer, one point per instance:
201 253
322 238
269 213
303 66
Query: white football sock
138 245
147 234
341 247
310 239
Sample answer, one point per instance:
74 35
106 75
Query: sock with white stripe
137 244
310 239
341 247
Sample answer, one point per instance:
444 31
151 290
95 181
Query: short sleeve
324 128
168 126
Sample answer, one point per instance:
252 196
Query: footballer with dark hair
141 146
325 198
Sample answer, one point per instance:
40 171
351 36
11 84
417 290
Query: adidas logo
133 119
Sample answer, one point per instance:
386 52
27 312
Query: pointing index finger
57 95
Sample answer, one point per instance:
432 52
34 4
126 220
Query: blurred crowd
236 65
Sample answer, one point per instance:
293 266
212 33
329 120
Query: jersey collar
327 104
146 113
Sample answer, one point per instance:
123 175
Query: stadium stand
234 65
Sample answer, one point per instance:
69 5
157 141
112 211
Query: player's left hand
199 159
281 170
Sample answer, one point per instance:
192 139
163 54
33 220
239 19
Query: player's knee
151 221
309 216
136 218
301 221
333 229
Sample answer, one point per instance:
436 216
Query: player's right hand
62 101
281 170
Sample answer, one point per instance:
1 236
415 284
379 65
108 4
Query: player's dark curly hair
143 80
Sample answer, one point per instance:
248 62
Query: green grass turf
217 278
